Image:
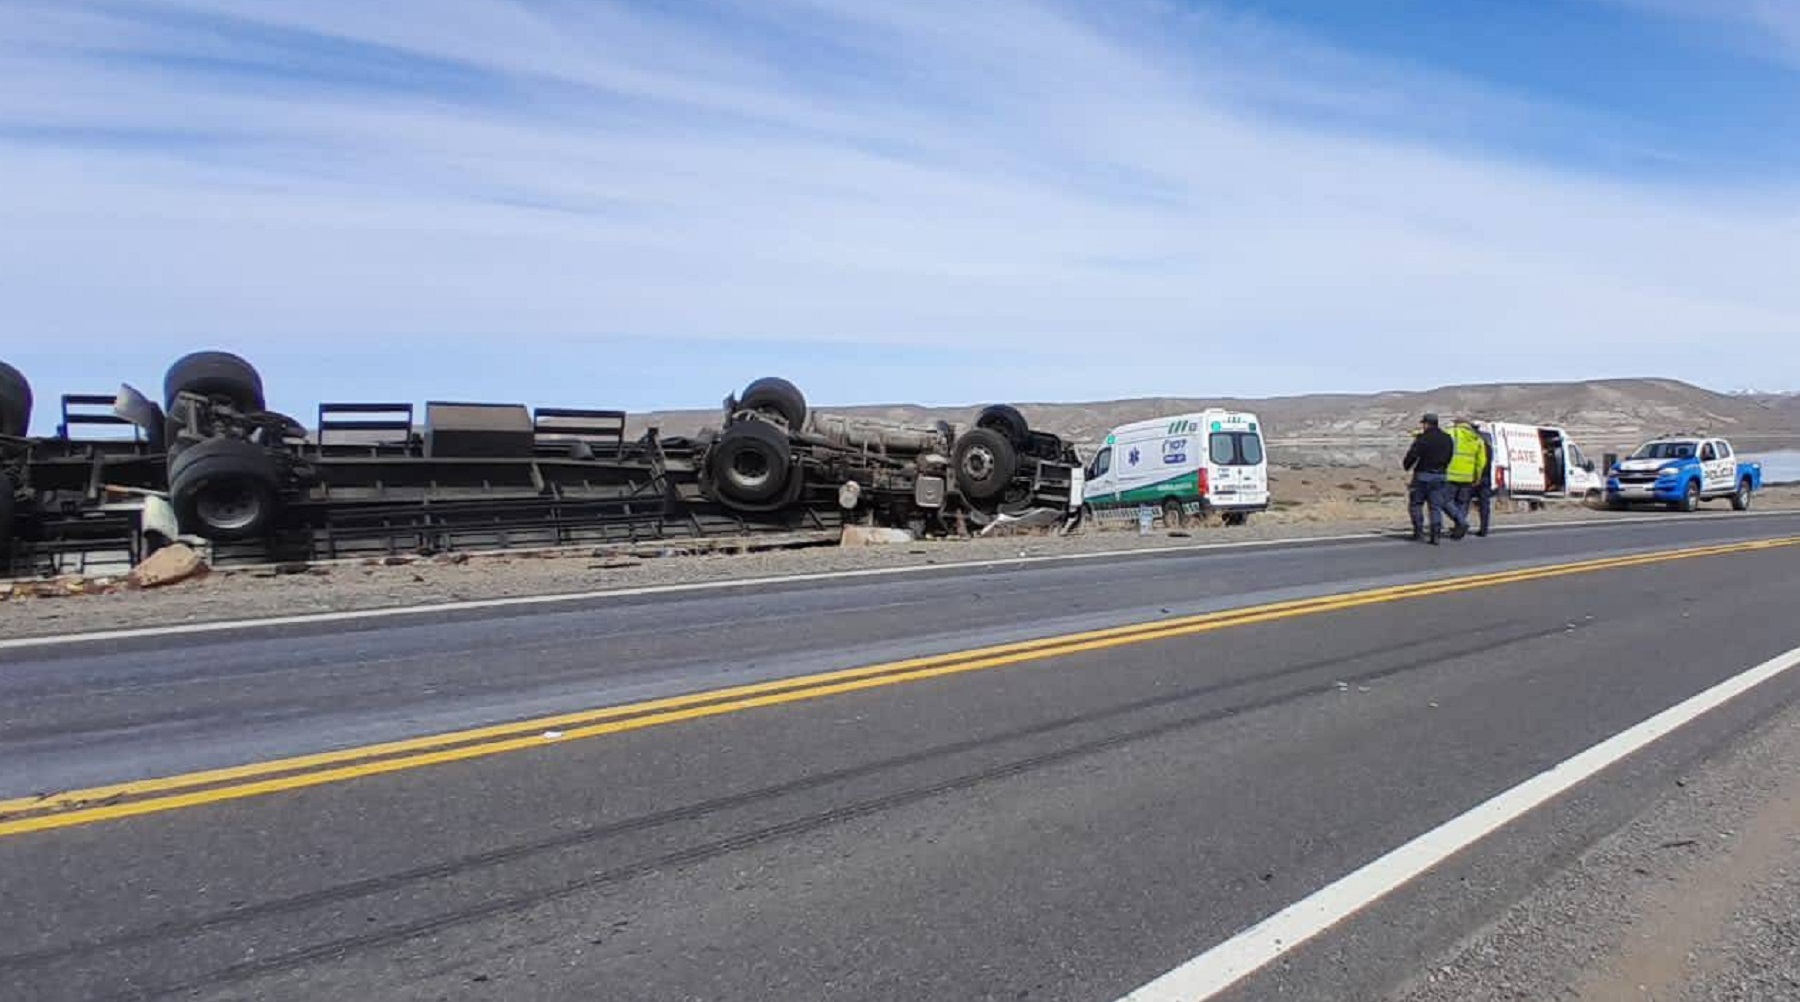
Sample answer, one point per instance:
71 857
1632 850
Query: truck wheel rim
978 463
750 468
228 506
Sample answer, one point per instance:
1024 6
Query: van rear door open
1518 458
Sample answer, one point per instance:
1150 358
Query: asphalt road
1055 827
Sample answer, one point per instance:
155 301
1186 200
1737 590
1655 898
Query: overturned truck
211 461
772 452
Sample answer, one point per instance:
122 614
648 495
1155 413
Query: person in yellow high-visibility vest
1469 475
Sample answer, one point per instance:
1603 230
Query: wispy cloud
1111 200
1769 28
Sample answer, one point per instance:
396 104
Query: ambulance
1211 462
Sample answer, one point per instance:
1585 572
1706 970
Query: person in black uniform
1430 455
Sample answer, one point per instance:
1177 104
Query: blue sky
646 205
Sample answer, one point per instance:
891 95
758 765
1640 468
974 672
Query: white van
1536 462
1204 463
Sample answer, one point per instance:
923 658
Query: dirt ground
1310 502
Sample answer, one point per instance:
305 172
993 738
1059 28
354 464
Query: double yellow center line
123 800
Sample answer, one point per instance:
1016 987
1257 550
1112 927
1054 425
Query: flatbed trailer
212 465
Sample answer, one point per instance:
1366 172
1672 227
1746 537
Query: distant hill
1603 415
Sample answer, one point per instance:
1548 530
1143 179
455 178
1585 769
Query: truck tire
6 514
1690 497
985 463
15 402
1740 500
750 463
218 374
776 397
224 489
1005 419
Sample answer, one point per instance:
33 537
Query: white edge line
1224 965
512 601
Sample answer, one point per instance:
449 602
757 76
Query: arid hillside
1354 429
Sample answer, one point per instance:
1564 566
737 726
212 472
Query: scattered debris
1036 521
169 565
67 585
869 535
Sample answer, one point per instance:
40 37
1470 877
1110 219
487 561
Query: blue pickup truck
1681 471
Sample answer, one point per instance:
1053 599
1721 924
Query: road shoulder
1693 899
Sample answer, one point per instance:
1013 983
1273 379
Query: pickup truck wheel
1690 498
15 402
985 463
776 397
1740 501
218 374
224 489
751 462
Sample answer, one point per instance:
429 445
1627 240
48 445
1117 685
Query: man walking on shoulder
1470 469
1428 459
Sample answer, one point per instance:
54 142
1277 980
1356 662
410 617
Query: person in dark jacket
1430 455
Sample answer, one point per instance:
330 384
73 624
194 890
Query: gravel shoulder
1695 899
250 593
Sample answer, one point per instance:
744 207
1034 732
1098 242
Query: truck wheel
6 514
1740 501
985 463
218 374
751 462
15 402
1690 498
776 397
1006 420
224 489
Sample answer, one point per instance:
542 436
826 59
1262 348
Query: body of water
1779 467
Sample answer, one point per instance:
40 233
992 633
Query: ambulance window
1102 462
1236 448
